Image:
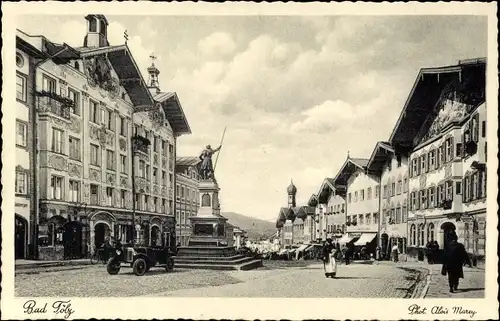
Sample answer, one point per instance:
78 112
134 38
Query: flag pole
221 140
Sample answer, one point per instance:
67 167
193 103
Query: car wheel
140 267
169 267
113 266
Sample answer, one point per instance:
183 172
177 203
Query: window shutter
464 186
479 185
476 129
426 162
417 200
452 149
410 170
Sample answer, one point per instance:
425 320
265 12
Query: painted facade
447 166
97 123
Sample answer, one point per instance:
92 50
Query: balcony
55 104
140 144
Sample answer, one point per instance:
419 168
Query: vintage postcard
249 161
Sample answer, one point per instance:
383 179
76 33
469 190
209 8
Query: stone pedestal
208 244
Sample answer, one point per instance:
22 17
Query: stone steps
252 264
213 258
210 261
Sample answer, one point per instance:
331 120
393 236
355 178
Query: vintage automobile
140 259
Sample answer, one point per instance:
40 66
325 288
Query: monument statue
206 170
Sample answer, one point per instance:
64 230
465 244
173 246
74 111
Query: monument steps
212 258
212 261
252 264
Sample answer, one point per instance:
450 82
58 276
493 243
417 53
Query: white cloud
218 44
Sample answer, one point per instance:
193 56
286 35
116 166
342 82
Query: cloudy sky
296 93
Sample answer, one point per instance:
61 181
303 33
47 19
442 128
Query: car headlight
118 252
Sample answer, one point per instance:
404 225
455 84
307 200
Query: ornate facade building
331 198
103 133
392 167
444 125
187 196
362 206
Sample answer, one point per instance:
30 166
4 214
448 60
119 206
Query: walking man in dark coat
454 258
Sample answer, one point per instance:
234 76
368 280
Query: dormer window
93 25
76 65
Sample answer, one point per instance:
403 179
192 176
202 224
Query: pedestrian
435 252
454 258
429 252
329 263
395 253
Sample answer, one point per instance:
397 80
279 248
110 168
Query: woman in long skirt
329 262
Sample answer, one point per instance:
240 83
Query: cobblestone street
274 280
471 286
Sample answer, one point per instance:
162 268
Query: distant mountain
254 227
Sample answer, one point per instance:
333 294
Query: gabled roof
41 47
380 155
282 217
426 92
326 188
188 161
349 167
313 200
174 112
128 73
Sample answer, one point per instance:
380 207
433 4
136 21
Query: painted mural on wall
98 72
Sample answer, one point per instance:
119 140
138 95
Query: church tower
292 192
97 31
153 82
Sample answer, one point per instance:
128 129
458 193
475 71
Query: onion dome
291 189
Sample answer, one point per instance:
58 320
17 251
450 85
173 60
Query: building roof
282 217
326 188
41 47
291 189
426 93
313 200
187 161
128 73
173 109
380 155
349 167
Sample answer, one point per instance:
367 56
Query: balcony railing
140 144
49 102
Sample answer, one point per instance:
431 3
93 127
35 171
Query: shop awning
365 238
345 239
302 248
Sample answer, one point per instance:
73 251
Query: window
432 159
369 193
74 148
442 158
399 187
393 189
75 97
164 205
377 191
171 178
412 235
483 183
430 232
368 219
440 194
142 169
458 150
146 202
56 187
123 164
123 196
21 134
123 126
423 199
467 191
74 191
362 196
94 112
155 175
48 84
449 149
355 196
432 196
414 164
361 220
398 160
483 129
109 196
93 25
182 192
475 185
20 87
398 215
405 185
57 140
110 159
164 148
94 155
349 197
21 183
155 144
458 188
423 164
108 116
177 192
164 178
404 214
449 190
94 194
155 204
147 172
438 157
413 200
420 235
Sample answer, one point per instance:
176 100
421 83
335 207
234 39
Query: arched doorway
101 232
155 235
447 228
384 246
72 240
21 227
